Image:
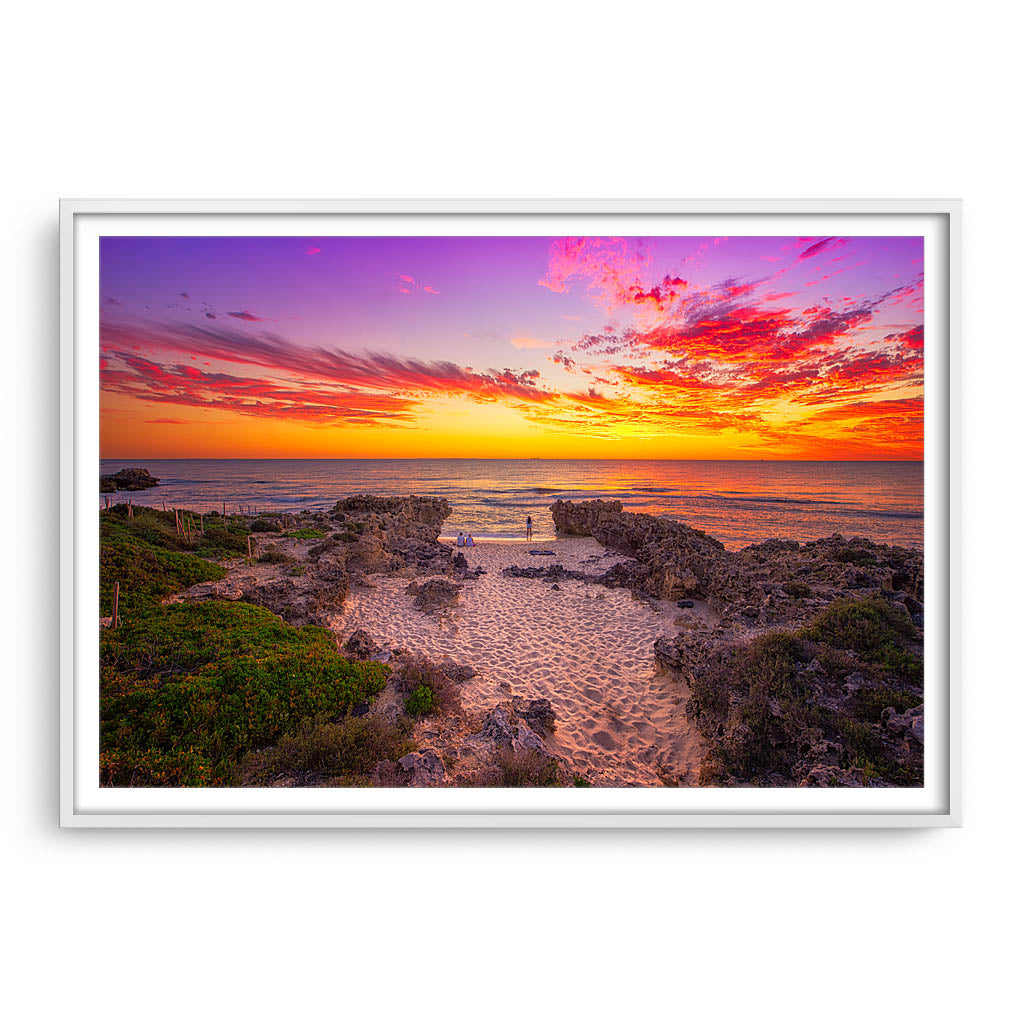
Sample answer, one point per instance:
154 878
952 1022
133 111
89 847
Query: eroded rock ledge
128 480
776 581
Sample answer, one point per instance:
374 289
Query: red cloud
333 383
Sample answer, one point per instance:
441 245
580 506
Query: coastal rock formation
672 560
434 596
304 600
127 480
423 768
517 725
301 600
537 713
361 647
384 534
773 582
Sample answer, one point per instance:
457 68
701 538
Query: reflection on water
738 502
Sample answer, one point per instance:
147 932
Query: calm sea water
737 502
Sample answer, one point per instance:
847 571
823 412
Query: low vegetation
426 688
220 537
521 769
147 562
325 753
787 700
189 691
275 556
306 533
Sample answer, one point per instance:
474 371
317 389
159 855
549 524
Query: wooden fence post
117 594
248 541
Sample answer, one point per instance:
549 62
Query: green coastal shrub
275 556
146 574
865 625
262 525
189 689
875 630
420 702
154 528
341 753
427 689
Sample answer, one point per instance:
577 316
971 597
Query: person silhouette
529 527
460 542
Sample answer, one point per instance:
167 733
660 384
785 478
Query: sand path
587 648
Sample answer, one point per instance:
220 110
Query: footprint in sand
592 693
603 739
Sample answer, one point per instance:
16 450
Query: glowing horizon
806 349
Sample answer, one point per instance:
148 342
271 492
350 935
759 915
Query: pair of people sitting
465 542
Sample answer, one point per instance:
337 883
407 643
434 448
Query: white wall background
529 99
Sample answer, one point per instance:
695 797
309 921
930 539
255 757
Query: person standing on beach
529 527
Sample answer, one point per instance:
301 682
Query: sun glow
667 348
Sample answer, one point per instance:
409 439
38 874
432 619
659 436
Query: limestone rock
361 647
423 768
135 479
435 595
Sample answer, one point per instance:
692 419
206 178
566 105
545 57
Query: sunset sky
662 348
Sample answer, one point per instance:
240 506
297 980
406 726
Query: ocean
738 502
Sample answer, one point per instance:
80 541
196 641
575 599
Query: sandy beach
585 647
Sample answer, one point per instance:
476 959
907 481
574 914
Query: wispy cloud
525 341
407 285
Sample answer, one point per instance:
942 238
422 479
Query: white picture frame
84 805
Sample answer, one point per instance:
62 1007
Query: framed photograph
509 514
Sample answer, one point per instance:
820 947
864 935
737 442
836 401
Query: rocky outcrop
537 713
308 599
548 573
384 534
671 560
128 480
909 725
418 770
434 596
772 583
506 727
423 768
361 647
